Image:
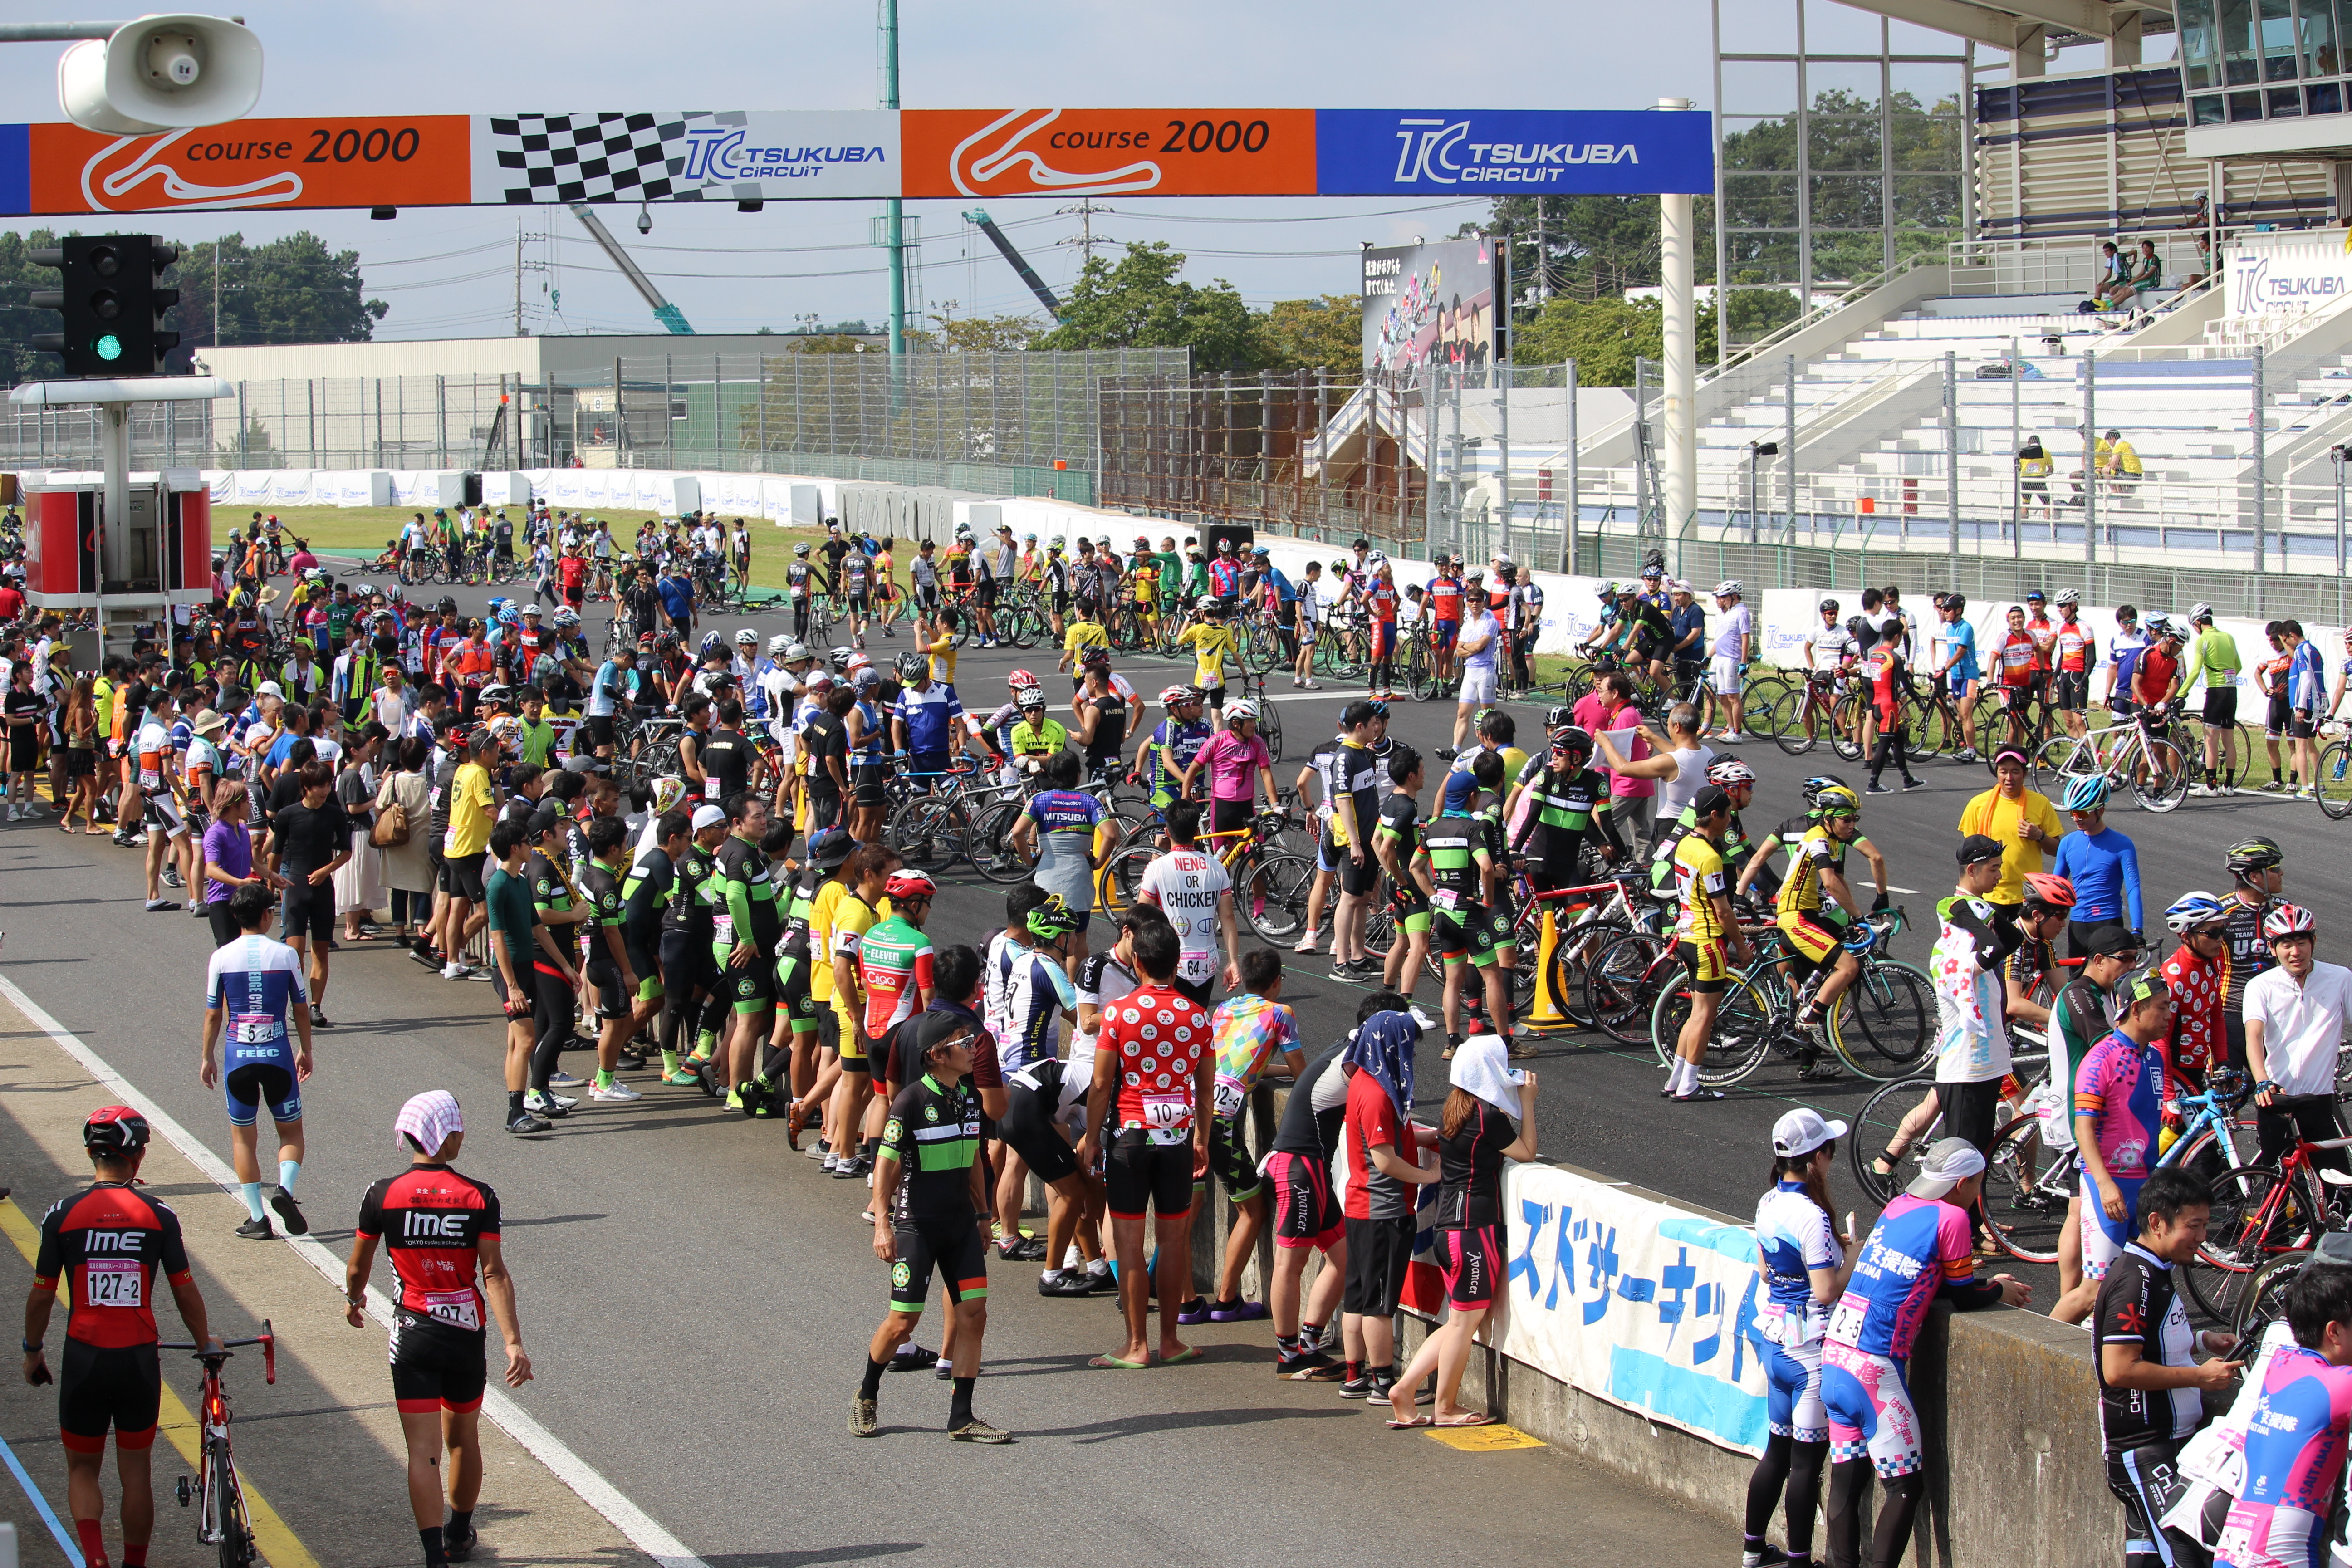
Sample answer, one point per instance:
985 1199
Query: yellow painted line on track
278 1545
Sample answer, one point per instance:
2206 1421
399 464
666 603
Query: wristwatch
32 1347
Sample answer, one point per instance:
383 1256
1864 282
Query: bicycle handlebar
267 1340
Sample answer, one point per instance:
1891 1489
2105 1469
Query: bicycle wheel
1620 982
2263 1300
1269 722
1121 878
1571 962
2160 777
232 1534
1884 1022
2334 786
930 833
1272 896
1420 674
1795 720
1845 733
989 848
1876 1129
1736 1047
2025 1216
2258 1214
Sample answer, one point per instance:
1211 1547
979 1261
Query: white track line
509 1417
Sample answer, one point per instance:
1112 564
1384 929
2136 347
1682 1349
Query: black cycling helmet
1818 783
1559 718
2254 855
1573 742
1828 606
116 1130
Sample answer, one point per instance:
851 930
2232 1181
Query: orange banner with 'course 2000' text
1109 152
413 161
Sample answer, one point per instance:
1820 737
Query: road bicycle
2134 757
219 1499
1804 711
1270 884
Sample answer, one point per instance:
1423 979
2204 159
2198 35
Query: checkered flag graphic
590 157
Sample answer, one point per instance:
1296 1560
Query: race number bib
1230 1097
254 1028
722 928
1197 967
1445 898
1167 1118
112 1282
1845 1321
459 1308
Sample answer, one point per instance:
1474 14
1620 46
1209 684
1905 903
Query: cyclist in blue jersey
1919 1250
2307 694
1168 747
931 725
616 683
1804 1261
2100 862
2296 1442
1285 599
1958 668
252 985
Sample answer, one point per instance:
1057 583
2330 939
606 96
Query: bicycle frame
220 1498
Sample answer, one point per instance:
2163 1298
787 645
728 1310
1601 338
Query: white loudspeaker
161 73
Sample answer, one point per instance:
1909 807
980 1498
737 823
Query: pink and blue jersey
2117 1087
1918 1247
2295 1462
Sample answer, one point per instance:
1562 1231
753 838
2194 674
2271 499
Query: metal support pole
1676 240
2016 480
2338 455
1640 447
1574 515
1503 448
2262 476
1788 448
2090 456
1952 463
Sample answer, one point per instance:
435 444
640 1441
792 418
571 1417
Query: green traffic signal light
107 346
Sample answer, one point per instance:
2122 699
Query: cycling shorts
1358 878
1305 1209
984 593
1871 1414
2274 720
954 1247
642 964
851 1049
1029 1126
462 878
1466 931
751 988
612 1002
1723 675
1958 682
2071 689
2104 1239
1709 964
1409 908
1379 1251
252 1081
436 1365
1792 1395
2221 706
685 963
163 812
1470 1261
1478 687
1444 633
1807 935
794 998
1142 1174
1230 1162
99 1386
307 911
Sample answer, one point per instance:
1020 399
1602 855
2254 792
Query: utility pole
1086 229
897 215
517 275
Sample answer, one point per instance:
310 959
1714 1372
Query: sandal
1476 1418
1406 1422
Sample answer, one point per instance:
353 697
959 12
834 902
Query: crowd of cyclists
677 852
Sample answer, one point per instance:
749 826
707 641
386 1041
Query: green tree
988 334
1603 336
1142 302
290 291
1326 333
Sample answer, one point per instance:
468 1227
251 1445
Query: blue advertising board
1512 151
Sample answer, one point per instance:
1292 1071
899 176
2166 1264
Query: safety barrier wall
2006 1399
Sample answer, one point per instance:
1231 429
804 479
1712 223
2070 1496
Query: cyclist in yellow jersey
1144 583
1815 872
939 641
1035 739
1706 935
1211 642
1085 635
856 910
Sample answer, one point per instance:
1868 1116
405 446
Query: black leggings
1849 1485
1799 1467
551 1010
1895 746
224 928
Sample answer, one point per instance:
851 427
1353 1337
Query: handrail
1817 314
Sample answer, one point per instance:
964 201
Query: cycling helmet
1208 604
912 666
1862 631
2201 613
510 616
2288 919
1052 920
795 652
447 606
1837 800
905 885
1573 742
839 658
1727 588
526 609
712 643
1813 787
801 550
1729 772
500 694
115 1130
2048 891
1237 711
1022 680
1608 589
1177 696
1141 542
1261 554
394 592
1828 607
744 637
646 640
2189 911
777 645
567 616
1559 718
2067 597
2034 596
1029 696
2088 793
2254 855
1954 601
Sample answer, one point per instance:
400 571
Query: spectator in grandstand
2113 289
2022 820
2117 463
2033 468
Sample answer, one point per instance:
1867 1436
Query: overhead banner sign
630 156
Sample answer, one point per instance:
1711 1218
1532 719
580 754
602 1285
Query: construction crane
987 226
667 314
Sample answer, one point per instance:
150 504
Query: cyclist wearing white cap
1734 645
1803 1260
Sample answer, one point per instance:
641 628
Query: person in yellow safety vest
2034 470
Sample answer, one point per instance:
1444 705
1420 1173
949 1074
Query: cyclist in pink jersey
2296 1442
1240 769
2118 1115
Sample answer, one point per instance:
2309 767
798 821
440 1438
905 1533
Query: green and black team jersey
934 1134
741 892
1400 823
1495 842
645 896
1569 805
688 910
1456 842
600 885
549 890
801 901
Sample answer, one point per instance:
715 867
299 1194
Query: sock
460 1525
870 1150
134 1556
669 1060
1383 1374
93 1546
1286 1345
1310 1334
1102 1266
2274 773
1111 1264
252 1191
287 1170
1355 1370
603 1078
435 1554
960 1403
514 1103
872 1387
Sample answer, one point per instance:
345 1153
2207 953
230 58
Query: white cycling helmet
797 651
1728 588
1237 711
2200 612
2067 597
567 616
746 637
778 645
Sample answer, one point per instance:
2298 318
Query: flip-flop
1409 1422
1479 1418
1189 1353
1115 1364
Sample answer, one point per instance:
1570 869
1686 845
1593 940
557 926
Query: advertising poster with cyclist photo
1432 302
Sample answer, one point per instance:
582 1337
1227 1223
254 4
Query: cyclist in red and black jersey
441 1231
107 1242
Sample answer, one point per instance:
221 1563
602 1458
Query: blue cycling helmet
508 616
497 604
2191 911
2089 794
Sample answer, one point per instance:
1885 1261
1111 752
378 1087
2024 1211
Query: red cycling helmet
2050 892
2289 920
115 1130
1021 678
905 885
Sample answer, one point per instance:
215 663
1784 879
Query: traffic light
113 310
